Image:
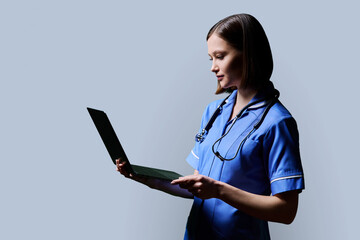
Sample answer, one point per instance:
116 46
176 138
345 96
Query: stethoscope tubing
256 126
201 136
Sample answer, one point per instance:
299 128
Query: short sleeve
194 156
283 155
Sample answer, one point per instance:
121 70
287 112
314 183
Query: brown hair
245 33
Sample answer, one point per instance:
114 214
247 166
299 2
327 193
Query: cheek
235 66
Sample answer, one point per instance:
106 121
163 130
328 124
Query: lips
220 77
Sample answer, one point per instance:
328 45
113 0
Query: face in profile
226 62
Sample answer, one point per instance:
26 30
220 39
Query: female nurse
247 163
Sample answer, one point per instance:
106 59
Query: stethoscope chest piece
200 136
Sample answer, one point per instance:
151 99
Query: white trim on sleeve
282 178
194 154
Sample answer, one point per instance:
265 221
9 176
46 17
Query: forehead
216 43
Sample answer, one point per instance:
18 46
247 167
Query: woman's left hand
199 185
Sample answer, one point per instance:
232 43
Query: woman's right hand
153 183
121 168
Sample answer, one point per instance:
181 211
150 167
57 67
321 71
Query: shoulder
211 107
279 119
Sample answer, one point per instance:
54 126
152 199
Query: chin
226 86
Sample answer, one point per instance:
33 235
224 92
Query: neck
243 97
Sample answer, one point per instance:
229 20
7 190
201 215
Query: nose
214 67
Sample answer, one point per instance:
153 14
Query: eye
220 57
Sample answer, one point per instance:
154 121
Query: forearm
153 183
279 208
166 187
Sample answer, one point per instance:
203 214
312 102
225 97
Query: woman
247 160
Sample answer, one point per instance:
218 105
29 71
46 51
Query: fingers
197 184
117 162
187 181
181 180
195 191
120 167
193 184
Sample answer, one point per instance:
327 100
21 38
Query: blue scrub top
268 163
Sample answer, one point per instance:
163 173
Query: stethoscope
269 102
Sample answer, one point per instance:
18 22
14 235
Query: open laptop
116 151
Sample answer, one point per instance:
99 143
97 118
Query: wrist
219 186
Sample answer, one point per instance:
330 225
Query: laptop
116 151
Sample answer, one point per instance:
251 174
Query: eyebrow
217 52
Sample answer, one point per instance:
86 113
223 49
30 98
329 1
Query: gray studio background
145 63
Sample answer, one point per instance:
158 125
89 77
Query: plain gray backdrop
145 63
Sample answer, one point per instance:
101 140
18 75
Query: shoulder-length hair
245 33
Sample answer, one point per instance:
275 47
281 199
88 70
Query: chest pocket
249 152
247 171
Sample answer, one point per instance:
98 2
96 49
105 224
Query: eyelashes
218 57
